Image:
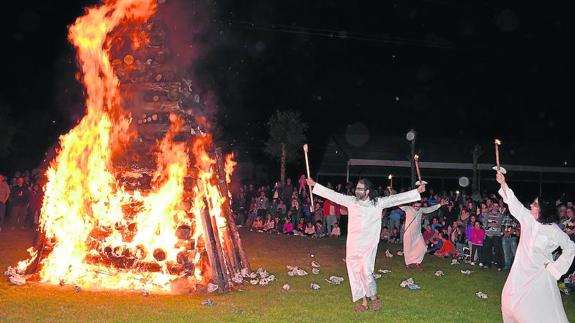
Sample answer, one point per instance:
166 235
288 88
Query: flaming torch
497 166
419 181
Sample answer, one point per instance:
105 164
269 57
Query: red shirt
448 248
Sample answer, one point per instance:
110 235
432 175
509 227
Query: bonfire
137 196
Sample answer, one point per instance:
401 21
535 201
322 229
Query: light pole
410 136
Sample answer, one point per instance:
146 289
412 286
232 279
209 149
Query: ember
135 205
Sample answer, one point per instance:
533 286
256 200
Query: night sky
479 69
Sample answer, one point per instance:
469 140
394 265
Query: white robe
530 293
414 247
364 228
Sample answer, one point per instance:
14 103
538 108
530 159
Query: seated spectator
384 236
457 237
447 248
335 231
435 223
428 235
309 229
258 224
288 227
394 237
270 224
278 225
301 225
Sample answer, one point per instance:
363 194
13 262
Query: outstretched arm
430 209
398 199
331 195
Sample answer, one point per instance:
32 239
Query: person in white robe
414 247
531 293
364 228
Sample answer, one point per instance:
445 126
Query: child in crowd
258 224
477 237
288 227
269 225
447 249
309 229
384 236
394 237
335 231
301 225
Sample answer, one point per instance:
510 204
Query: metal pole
347 173
413 163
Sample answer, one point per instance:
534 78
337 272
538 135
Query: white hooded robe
531 293
414 247
364 228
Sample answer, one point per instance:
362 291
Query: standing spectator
302 185
492 250
262 204
450 213
36 197
330 211
295 213
395 217
477 238
319 230
509 239
287 191
19 201
569 224
4 195
281 209
317 212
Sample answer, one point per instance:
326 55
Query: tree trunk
475 184
283 163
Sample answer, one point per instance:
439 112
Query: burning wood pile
137 196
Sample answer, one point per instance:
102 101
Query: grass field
450 298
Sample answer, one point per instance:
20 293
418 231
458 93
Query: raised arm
521 213
560 266
331 195
398 199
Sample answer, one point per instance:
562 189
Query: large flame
88 217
